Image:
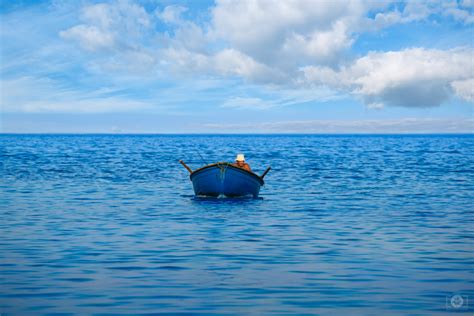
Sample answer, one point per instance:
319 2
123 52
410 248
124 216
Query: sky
261 66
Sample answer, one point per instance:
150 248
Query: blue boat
225 179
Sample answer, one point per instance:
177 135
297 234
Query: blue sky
237 66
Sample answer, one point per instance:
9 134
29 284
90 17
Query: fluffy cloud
89 37
412 11
260 41
288 33
415 11
171 14
464 89
293 44
296 33
411 78
233 62
227 63
108 26
273 41
462 11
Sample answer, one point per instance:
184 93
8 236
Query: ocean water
345 225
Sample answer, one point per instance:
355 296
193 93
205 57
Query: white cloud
171 14
412 11
287 35
412 78
107 26
272 32
294 44
89 37
260 41
322 47
462 12
464 89
100 14
233 62
225 63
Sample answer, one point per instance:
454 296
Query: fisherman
240 162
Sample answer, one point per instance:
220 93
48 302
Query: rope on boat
223 168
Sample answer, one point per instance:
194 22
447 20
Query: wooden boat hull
224 179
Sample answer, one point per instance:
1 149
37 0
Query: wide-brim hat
240 157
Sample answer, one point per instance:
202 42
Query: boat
225 179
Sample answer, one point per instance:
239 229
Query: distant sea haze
345 225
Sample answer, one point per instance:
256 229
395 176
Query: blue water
345 225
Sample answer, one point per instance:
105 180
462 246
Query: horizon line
224 134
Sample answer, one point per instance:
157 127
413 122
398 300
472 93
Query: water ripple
362 225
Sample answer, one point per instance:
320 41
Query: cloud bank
412 77
406 125
298 43
293 45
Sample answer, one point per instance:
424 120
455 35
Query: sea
344 225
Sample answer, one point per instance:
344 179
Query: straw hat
240 157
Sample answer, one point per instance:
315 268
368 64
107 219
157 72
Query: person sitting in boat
240 162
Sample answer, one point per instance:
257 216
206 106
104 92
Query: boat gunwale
227 164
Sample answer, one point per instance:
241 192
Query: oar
186 166
265 172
